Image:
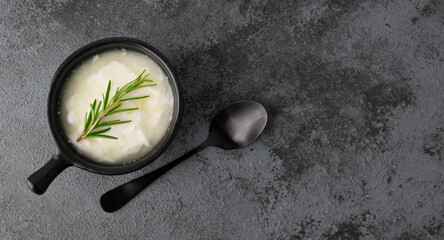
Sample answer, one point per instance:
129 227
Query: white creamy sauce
148 124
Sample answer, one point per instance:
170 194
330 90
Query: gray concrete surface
353 149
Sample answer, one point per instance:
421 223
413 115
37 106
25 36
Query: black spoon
234 127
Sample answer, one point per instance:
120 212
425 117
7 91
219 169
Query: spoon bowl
237 125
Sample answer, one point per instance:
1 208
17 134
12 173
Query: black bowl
67 155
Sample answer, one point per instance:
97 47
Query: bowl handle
39 181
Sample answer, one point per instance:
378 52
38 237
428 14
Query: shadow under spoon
233 127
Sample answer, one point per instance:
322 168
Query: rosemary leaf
123 110
100 131
105 98
112 123
100 136
142 86
134 98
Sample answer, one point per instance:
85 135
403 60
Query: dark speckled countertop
354 147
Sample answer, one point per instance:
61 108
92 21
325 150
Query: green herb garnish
94 124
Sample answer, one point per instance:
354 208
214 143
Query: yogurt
148 124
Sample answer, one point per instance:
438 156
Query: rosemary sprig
94 124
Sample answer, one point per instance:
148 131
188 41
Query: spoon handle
116 198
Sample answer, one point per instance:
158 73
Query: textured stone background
354 148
